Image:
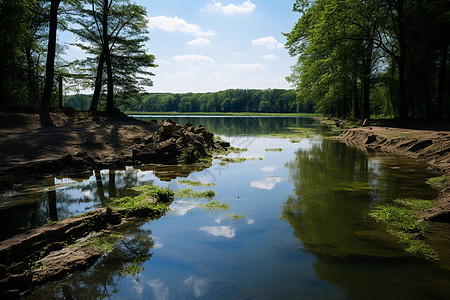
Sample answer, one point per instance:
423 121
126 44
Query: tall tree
115 31
51 53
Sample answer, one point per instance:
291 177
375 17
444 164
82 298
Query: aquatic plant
194 183
152 200
274 149
403 222
215 205
235 217
189 193
436 182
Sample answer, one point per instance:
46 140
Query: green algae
189 193
403 222
215 205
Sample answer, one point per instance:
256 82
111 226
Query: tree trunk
357 110
403 107
60 92
110 84
442 82
31 80
106 52
98 83
50 64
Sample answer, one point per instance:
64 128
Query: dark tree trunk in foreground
98 83
50 65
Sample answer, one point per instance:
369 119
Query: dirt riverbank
33 145
431 146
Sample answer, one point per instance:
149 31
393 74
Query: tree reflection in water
102 279
335 188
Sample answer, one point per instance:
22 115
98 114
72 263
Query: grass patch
151 200
104 243
415 204
215 205
274 149
436 182
189 193
194 183
404 223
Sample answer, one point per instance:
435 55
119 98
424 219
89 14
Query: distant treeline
233 100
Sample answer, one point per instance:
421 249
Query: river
297 225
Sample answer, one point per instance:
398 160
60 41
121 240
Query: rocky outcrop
173 143
432 147
20 254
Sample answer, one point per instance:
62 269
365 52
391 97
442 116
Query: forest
356 59
33 72
385 58
233 100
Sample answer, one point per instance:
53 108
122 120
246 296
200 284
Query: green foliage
371 58
189 193
215 205
248 101
403 222
134 268
436 182
113 36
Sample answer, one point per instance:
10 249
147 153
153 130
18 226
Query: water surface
304 231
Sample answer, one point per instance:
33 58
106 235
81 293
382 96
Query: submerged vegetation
235 217
194 183
215 205
189 193
274 149
403 222
437 182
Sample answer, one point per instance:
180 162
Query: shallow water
306 232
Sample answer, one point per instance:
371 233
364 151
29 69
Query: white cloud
271 57
199 285
257 66
176 24
269 169
266 184
182 207
251 221
269 42
160 290
200 42
231 9
225 231
193 58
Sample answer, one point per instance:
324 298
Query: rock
17 252
64 262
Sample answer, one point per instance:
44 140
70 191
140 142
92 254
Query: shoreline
430 146
35 145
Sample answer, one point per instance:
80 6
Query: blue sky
207 45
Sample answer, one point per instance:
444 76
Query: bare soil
431 146
36 144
